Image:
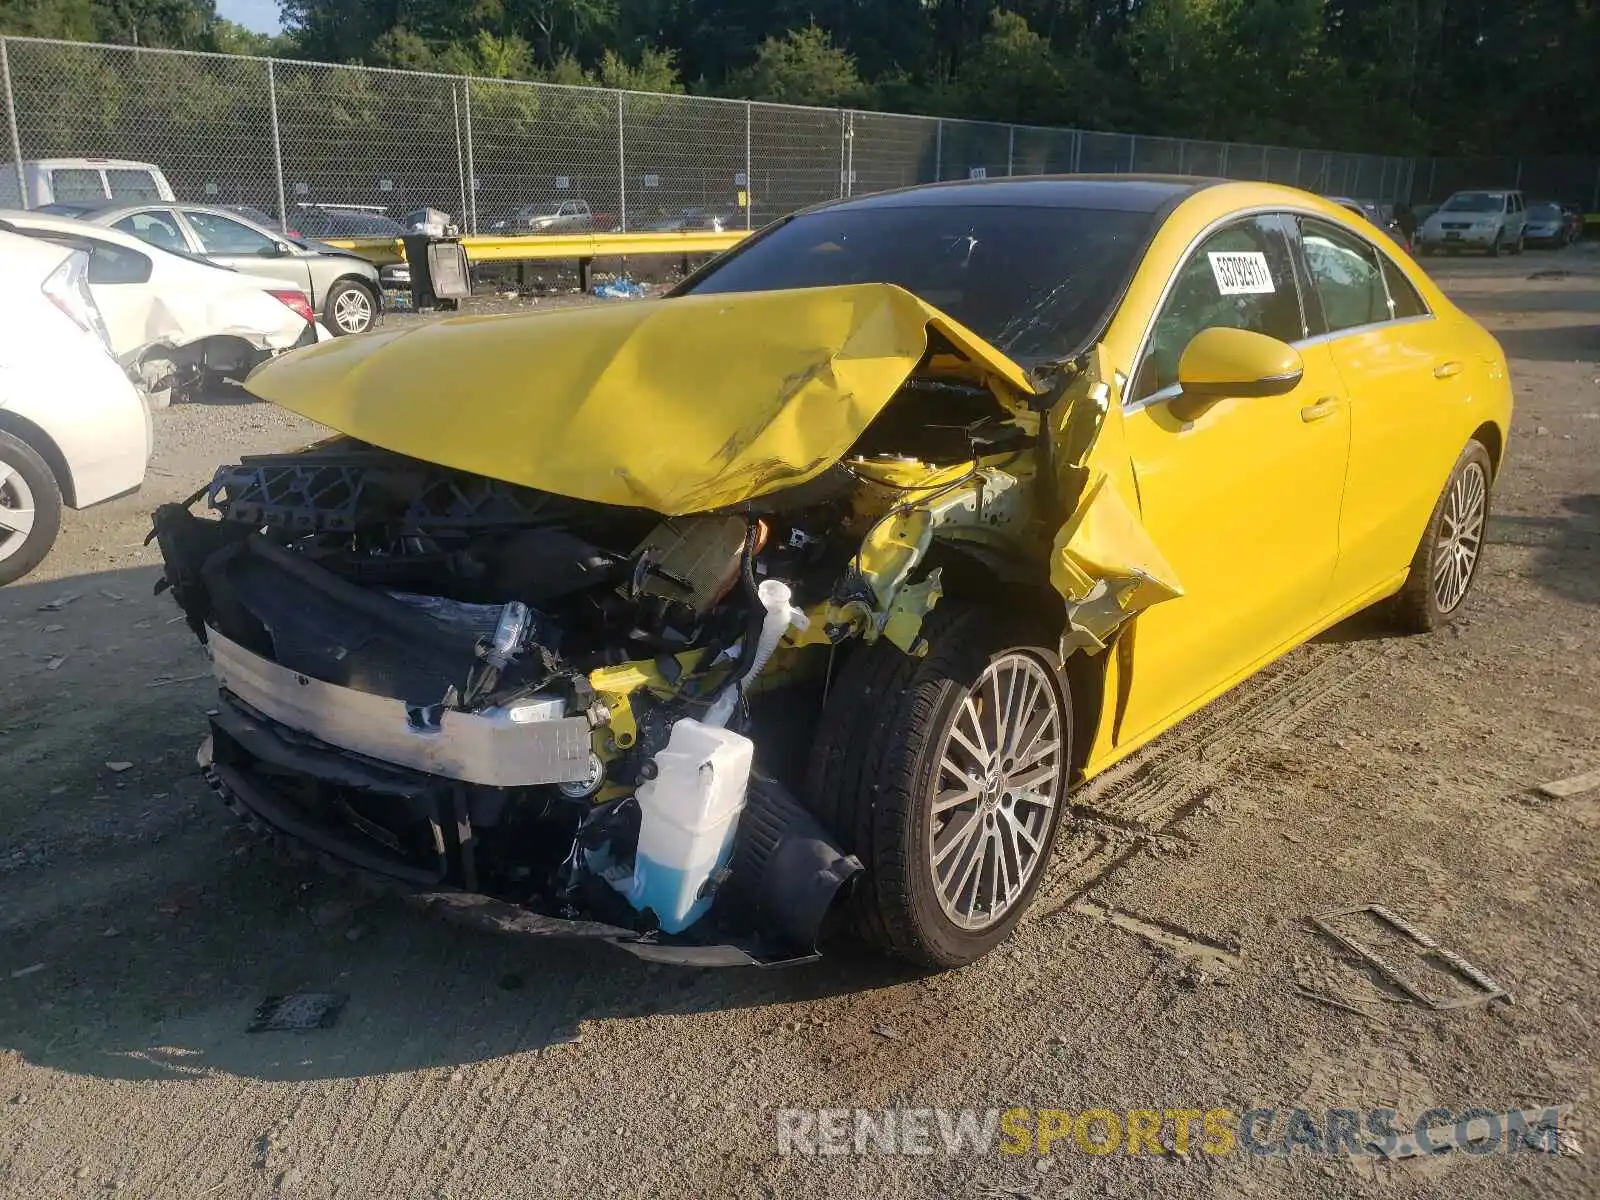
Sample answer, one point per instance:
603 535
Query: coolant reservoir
689 812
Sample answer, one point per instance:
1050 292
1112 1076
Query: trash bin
440 277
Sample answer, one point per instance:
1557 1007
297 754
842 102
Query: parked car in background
258 216
698 218
174 319
1547 225
1491 221
551 217
337 221
1381 215
73 429
51 181
1573 216
344 288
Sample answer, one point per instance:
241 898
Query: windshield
1475 202
1033 281
1544 212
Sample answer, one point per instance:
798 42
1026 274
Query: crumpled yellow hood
678 405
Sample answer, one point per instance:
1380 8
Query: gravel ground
1165 964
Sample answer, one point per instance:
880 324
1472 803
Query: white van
82 181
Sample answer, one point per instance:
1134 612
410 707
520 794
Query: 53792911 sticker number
1241 272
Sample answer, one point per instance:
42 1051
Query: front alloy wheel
1000 773
350 308
947 776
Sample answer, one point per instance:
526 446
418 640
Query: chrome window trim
1173 390
1188 253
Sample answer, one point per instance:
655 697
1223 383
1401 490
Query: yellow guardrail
541 247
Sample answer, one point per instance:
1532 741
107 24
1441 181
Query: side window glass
116 264
1346 276
157 228
76 184
1404 300
219 235
132 185
1241 277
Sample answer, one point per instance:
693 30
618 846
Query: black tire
20 461
1520 244
1418 607
344 302
1424 250
875 764
1494 246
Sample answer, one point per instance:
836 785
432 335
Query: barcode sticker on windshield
1241 272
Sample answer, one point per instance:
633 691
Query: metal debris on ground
300 1011
1331 1001
1212 960
1484 988
885 1031
1575 785
119 767
58 603
163 680
33 970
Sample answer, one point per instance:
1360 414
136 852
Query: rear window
1036 282
1545 212
77 183
132 185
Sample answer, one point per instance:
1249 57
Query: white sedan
173 318
73 429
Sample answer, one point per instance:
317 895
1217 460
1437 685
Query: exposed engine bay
483 691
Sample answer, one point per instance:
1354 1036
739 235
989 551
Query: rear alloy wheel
30 509
947 775
350 308
1446 563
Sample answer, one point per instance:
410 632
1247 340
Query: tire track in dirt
1148 797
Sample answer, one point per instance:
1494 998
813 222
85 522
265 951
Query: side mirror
276 250
1220 362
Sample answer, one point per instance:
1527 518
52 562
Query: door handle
1446 369
1324 407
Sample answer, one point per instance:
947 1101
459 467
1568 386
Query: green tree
803 67
656 71
1014 75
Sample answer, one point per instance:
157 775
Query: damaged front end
512 687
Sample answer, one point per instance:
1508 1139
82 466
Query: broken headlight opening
530 710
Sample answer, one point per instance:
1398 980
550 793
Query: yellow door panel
1409 376
1243 499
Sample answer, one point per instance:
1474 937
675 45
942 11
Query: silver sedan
344 288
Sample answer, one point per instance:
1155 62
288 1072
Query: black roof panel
1118 193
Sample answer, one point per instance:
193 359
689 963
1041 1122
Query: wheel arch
45 447
1493 440
1009 580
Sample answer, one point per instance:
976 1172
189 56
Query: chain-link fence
285 136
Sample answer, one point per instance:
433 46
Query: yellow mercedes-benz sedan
800 597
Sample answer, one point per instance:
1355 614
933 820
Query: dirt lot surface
1166 964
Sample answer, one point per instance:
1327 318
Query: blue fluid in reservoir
665 891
